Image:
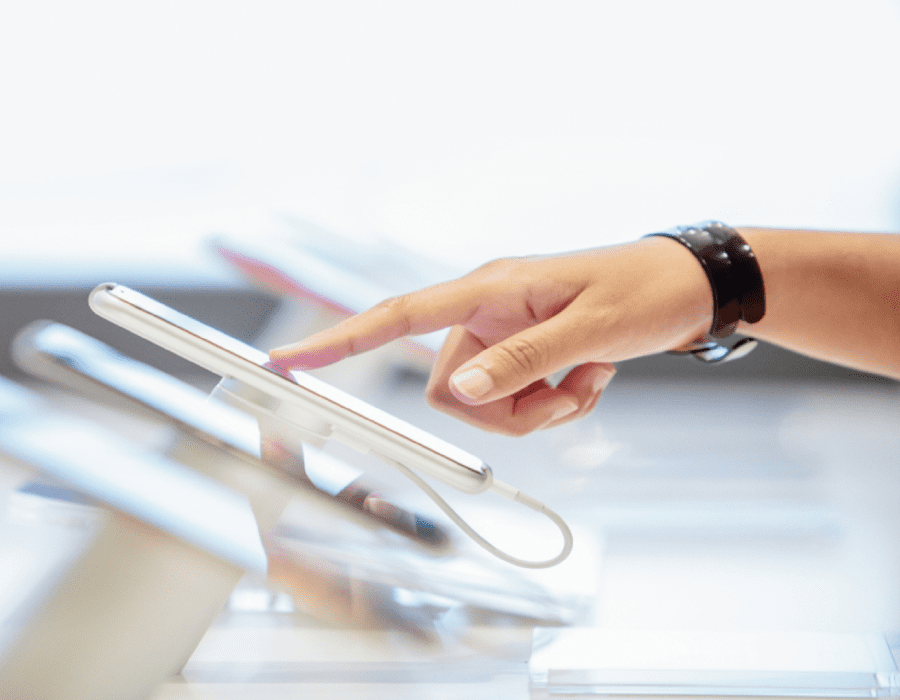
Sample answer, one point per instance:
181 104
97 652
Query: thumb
519 361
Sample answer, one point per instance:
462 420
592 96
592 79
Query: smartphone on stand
316 412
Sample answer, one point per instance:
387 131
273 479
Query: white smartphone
318 410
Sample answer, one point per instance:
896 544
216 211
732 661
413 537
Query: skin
517 321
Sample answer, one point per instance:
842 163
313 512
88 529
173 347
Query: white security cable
506 491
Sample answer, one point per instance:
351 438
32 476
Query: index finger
416 313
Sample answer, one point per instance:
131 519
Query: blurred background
445 134
466 130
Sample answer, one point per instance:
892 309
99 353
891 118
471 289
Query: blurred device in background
338 562
65 356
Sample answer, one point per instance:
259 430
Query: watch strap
733 272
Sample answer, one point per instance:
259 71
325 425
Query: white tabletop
723 509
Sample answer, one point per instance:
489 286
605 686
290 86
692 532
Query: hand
518 321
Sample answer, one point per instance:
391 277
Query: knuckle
397 309
350 348
500 268
523 355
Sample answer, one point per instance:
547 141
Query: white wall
467 129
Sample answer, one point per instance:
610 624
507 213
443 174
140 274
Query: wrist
683 297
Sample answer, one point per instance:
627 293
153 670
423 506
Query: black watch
736 283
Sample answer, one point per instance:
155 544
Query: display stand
129 605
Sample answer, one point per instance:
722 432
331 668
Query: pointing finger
420 312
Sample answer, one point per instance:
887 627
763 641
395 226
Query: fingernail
287 349
301 356
473 383
603 378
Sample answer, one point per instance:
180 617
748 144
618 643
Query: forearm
833 296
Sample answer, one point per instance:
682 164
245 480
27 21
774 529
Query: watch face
722 353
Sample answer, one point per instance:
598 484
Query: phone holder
295 427
292 424
127 609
